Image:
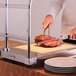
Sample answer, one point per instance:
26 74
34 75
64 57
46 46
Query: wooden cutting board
43 50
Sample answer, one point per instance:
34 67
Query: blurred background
18 19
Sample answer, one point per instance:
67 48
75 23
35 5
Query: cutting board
43 50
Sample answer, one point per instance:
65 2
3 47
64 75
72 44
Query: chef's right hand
47 21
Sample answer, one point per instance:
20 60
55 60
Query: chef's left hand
73 34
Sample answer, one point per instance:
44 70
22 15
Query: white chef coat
68 15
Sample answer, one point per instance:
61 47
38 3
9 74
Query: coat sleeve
55 6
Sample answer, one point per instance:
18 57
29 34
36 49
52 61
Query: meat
47 41
50 43
40 38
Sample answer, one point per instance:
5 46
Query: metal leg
6 25
29 28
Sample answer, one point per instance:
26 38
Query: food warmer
29 53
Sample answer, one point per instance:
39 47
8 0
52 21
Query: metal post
6 25
29 28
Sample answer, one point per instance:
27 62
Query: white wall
18 19
40 9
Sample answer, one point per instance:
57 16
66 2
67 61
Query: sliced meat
47 41
50 43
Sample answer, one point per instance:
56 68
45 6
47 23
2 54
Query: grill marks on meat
50 43
47 41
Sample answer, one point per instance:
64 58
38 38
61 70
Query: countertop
12 68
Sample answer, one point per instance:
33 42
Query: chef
68 16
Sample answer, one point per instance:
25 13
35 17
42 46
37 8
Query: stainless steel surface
6 16
20 6
20 56
13 37
16 54
6 24
29 28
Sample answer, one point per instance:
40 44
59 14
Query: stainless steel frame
6 25
29 28
26 57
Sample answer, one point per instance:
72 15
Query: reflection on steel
29 28
13 37
6 24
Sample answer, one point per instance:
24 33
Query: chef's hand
73 34
48 21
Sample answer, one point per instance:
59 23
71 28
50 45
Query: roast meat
47 41
40 38
50 43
